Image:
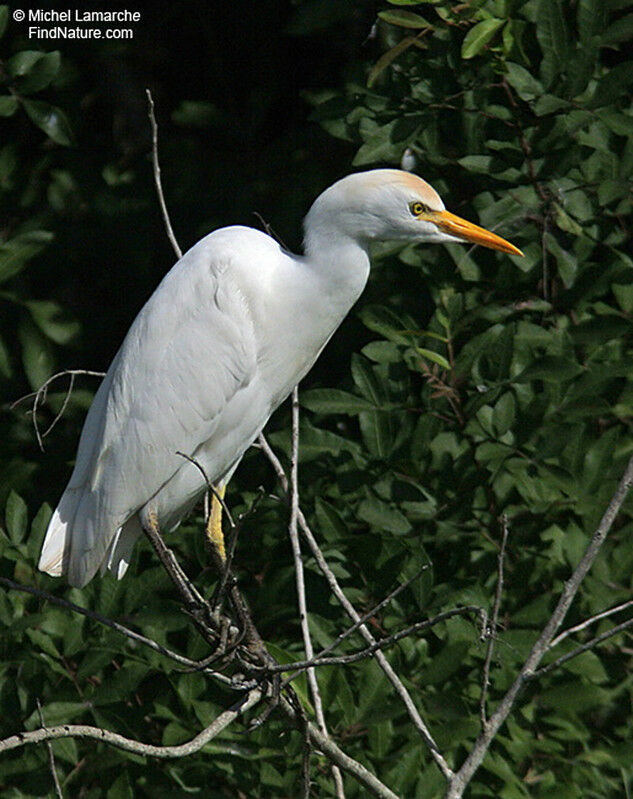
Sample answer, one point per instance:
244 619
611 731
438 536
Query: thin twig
212 489
300 581
41 394
588 622
336 755
377 646
584 648
336 589
367 616
120 628
157 177
51 756
492 633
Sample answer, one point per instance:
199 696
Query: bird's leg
215 539
214 533
184 585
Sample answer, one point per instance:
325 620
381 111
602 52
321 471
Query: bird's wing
189 351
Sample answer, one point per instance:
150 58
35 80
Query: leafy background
464 387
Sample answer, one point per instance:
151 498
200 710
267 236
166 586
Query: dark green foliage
467 386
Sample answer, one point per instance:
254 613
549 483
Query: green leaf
504 413
331 525
16 516
121 788
615 82
479 36
388 58
366 380
551 368
440 360
8 105
382 517
331 400
620 31
120 685
383 320
53 321
299 683
17 252
591 19
56 713
33 70
404 19
477 163
619 123
37 355
523 82
5 360
315 442
551 33
379 146
50 119
4 18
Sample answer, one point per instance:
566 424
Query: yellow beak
465 230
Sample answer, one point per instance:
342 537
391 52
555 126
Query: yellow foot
214 525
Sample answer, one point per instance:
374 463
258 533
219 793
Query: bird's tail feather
55 548
77 538
120 552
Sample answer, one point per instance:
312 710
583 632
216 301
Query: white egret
226 336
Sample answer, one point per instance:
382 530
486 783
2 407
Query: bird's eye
417 208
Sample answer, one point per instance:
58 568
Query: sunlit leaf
50 119
479 36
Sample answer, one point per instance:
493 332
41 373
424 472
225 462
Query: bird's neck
339 263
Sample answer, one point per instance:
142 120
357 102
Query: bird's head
389 204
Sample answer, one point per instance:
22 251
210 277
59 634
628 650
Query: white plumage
226 336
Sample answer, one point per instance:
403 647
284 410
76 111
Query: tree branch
120 628
51 757
384 664
584 648
590 621
157 177
383 643
336 755
300 581
130 745
40 397
493 623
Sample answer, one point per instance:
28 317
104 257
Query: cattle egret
228 333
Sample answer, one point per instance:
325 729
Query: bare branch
187 590
211 488
41 394
369 615
493 623
130 745
590 621
460 780
584 648
336 589
51 756
301 591
377 646
336 755
120 628
157 178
